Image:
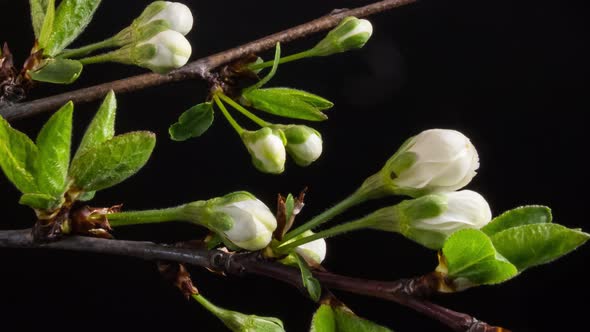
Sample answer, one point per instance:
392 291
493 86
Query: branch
199 69
402 291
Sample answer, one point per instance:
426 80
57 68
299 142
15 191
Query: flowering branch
199 69
405 291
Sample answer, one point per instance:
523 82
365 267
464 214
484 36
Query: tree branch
199 69
402 291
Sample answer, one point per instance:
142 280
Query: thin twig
402 291
199 69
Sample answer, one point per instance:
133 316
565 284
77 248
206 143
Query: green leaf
336 319
323 320
470 254
47 26
311 284
17 157
347 321
38 9
41 201
524 215
58 71
54 142
86 196
112 161
280 102
530 245
193 122
289 206
71 18
102 126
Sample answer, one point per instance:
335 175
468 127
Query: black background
511 75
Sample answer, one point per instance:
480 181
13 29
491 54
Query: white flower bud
251 221
314 250
443 160
267 148
436 160
304 144
177 15
350 34
165 51
431 219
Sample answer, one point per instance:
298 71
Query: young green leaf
47 26
287 103
335 319
71 18
470 254
311 284
289 206
534 244
41 201
524 215
86 196
112 161
323 320
17 157
58 71
193 122
346 321
38 9
102 127
54 142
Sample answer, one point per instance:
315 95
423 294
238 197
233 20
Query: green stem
336 230
84 50
243 110
215 310
292 57
145 217
337 209
229 118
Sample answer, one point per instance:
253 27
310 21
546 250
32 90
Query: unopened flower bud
164 52
267 148
431 219
177 15
312 251
157 17
239 322
436 160
351 33
304 144
238 217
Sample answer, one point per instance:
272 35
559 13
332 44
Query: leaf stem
145 217
207 305
289 58
228 116
243 110
337 209
85 50
336 230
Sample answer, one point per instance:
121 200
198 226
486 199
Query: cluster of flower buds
430 166
268 146
157 36
155 40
